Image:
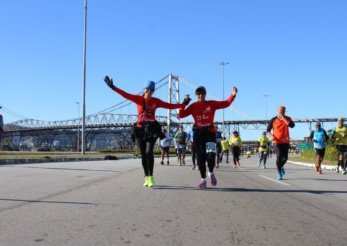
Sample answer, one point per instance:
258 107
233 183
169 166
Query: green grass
309 156
49 155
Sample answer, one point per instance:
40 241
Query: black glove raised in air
186 100
109 82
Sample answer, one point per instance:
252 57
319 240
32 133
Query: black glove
109 82
186 100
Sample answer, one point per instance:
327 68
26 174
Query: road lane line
92 177
274 180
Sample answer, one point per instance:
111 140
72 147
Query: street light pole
78 126
266 96
84 79
222 63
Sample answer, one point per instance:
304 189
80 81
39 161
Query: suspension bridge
107 129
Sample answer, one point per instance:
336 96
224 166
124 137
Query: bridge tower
173 97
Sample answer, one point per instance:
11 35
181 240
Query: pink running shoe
213 179
202 184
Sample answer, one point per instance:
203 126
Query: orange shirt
280 129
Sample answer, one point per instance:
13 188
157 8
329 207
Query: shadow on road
42 201
246 190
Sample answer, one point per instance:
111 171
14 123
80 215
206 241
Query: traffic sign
303 146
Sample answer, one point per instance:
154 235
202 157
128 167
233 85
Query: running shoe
337 170
344 172
151 181
162 162
279 176
145 184
213 179
283 172
193 167
264 167
259 164
202 184
235 166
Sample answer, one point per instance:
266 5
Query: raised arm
226 103
126 95
184 112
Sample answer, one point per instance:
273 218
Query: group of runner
147 130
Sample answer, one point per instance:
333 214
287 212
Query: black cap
200 90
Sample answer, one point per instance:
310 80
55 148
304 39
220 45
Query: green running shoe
151 181
145 184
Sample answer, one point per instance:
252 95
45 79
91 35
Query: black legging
263 157
236 151
200 140
219 152
193 153
146 147
281 155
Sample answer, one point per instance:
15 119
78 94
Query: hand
186 100
235 91
109 82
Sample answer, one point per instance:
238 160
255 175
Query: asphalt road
104 203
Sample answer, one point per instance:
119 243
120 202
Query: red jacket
203 112
146 108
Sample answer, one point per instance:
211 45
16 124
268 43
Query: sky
293 51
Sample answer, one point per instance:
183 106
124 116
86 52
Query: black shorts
341 149
320 152
165 149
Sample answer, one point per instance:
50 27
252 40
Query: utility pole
84 80
78 126
266 96
222 63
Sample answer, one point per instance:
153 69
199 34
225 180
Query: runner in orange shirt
278 130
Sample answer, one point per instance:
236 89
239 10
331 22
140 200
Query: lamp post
266 96
222 63
78 125
1 123
84 80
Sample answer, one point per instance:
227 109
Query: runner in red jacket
203 112
147 129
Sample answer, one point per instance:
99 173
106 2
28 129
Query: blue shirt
319 138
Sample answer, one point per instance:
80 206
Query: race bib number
211 147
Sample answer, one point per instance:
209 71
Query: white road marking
274 180
91 177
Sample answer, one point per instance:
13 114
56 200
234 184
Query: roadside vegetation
309 156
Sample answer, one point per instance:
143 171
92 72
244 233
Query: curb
328 167
45 160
